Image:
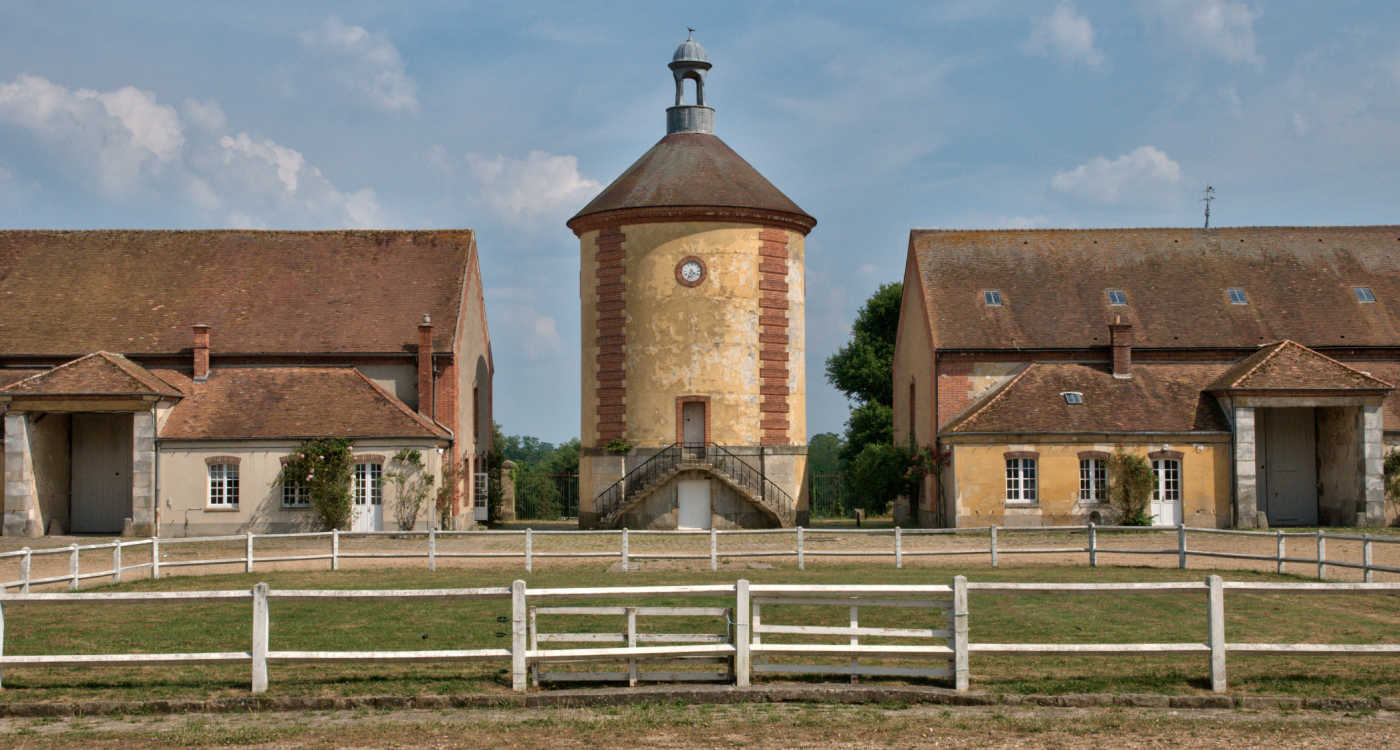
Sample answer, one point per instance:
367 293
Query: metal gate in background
828 500
550 497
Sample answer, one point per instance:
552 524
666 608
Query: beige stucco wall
473 370
184 509
398 378
979 483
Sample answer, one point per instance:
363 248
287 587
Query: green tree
324 467
1130 483
863 369
824 453
876 476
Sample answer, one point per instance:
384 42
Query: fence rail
743 637
897 546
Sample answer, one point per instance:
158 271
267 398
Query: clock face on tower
690 271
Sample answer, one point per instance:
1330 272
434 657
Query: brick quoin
773 337
611 338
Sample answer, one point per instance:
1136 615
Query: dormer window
1117 297
1237 297
1364 294
992 297
1073 397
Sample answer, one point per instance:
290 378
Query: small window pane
1237 297
1363 294
1073 397
1117 297
992 297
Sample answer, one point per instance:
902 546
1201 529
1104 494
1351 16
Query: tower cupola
690 63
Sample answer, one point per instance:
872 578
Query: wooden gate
632 637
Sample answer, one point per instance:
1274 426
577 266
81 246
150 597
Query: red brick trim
1020 454
773 336
1154 455
1097 455
704 271
681 401
611 338
211 460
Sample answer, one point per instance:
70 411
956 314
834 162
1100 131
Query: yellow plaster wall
980 483
913 364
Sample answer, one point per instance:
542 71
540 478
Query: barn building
693 347
154 381
1253 367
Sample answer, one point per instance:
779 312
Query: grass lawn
40 629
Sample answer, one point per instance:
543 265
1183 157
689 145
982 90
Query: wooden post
1366 557
801 553
1280 554
155 557
624 550
24 571
335 549
631 643
529 551
517 636
994 547
855 641
432 548
260 637
73 567
1215 611
116 562
898 547
534 645
2 638
1181 546
714 549
1321 555
741 633
960 661
248 554
1093 545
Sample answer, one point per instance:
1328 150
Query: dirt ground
747 726
816 541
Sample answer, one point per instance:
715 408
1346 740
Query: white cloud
128 144
539 190
1067 35
1220 27
1143 172
370 64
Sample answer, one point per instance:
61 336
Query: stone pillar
143 473
21 495
1246 470
1372 465
507 512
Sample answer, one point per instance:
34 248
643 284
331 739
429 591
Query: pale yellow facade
975 483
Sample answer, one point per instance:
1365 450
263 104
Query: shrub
1130 487
324 467
1392 475
877 475
411 485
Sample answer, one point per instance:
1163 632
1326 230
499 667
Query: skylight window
1117 297
992 297
1073 397
1363 294
1237 297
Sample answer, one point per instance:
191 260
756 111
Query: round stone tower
693 349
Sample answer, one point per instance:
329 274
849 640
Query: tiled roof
138 292
1288 365
8 376
291 403
1157 398
96 374
1298 281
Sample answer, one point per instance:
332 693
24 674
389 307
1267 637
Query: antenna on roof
1209 196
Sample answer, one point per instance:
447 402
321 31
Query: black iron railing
755 481
643 477
615 497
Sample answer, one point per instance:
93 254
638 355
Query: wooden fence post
624 549
432 548
260 637
960 660
1366 557
801 552
1321 555
534 641
2 638
248 554
116 562
631 643
994 547
335 549
529 551
155 557
1093 545
73 567
741 633
1280 554
898 547
1215 611
517 636
1181 546
24 570
714 549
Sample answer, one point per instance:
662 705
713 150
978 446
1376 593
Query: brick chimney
1120 334
425 367
201 352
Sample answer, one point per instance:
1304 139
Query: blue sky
875 117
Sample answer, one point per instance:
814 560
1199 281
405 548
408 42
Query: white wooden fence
895 543
742 644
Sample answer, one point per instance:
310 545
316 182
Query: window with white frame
295 495
223 485
1167 472
1093 480
369 489
1020 480
483 484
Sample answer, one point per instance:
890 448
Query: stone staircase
713 459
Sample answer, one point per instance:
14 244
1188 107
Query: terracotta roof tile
96 374
1288 365
138 292
290 403
8 376
1158 398
1298 280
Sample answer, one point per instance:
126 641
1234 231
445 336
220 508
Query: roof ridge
56 368
977 408
1338 362
1277 347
